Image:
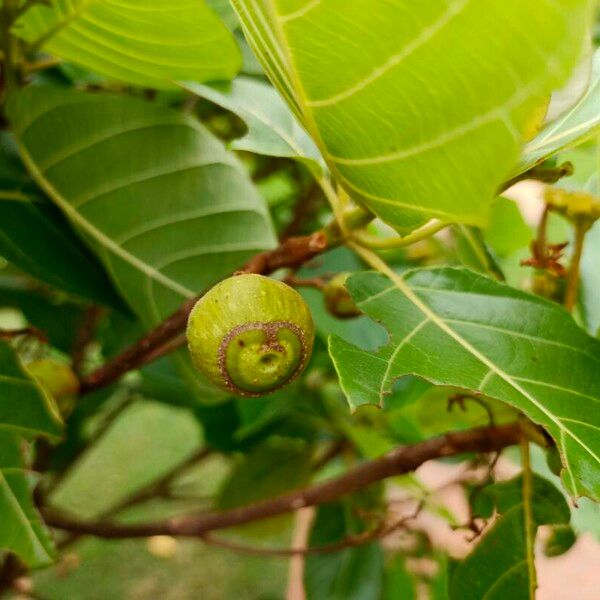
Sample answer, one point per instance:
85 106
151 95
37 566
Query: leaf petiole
366 240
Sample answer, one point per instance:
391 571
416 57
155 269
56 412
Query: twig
350 541
317 283
572 286
157 488
9 334
303 210
84 335
541 173
396 462
98 434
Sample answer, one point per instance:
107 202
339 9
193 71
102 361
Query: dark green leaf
399 583
498 566
455 327
35 238
58 318
561 540
21 528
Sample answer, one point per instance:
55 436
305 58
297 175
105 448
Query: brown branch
157 488
305 207
9 334
572 286
397 462
541 173
84 336
380 531
291 253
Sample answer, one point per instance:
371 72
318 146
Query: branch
397 462
541 173
155 489
380 531
573 276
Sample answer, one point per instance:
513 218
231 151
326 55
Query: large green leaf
418 108
272 128
501 564
25 408
149 43
21 528
167 209
578 124
455 327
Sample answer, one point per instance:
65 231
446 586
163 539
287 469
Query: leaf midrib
405 289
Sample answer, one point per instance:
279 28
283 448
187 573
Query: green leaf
21 528
351 574
148 44
355 74
499 566
272 128
578 124
399 583
25 407
277 466
561 540
35 238
455 327
161 202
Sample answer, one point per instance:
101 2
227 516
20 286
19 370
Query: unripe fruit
59 380
338 300
250 335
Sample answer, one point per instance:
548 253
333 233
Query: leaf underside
149 43
158 199
355 75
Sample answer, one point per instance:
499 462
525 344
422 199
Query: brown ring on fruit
271 329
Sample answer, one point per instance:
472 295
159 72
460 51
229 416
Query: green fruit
338 300
250 335
59 380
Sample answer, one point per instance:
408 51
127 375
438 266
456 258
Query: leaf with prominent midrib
25 410
21 528
359 76
156 196
578 124
500 566
455 327
159 199
149 42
